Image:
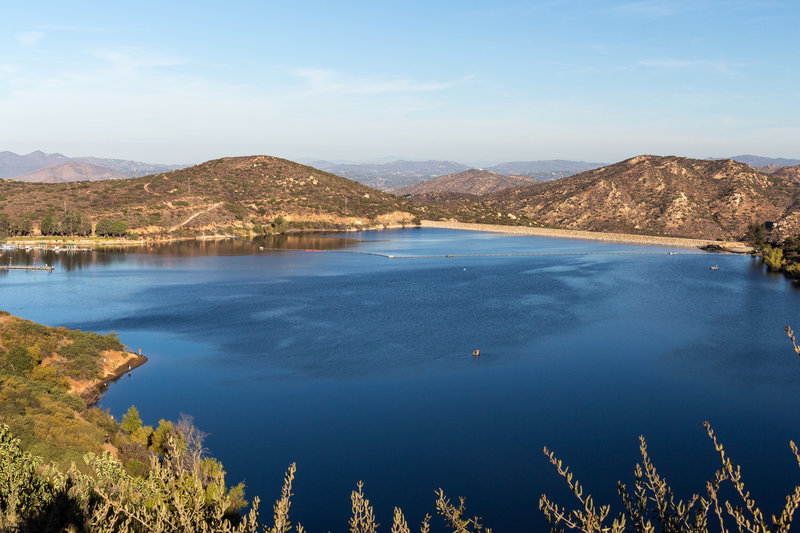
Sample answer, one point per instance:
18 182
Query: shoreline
94 392
91 243
630 238
647 240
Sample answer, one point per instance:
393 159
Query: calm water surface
360 367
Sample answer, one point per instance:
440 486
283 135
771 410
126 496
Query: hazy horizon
462 81
391 159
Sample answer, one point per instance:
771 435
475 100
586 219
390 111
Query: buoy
476 353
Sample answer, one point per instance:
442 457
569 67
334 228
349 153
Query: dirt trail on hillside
173 228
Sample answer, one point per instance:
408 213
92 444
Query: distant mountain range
392 175
31 167
473 181
70 171
759 161
401 173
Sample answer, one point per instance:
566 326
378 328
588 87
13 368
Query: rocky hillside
70 171
473 181
658 195
787 173
228 193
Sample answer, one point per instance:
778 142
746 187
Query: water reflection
70 260
62 260
205 248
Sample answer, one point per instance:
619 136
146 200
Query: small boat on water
715 267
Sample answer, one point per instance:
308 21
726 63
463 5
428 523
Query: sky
602 80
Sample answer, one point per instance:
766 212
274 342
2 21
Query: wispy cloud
29 38
7 71
327 81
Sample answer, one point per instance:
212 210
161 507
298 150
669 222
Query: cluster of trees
279 225
14 226
783 256
111 228
70 223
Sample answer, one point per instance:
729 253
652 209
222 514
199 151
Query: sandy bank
730 246
115 365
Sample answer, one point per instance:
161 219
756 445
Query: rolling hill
788 173
673 196
12 164
70 171
473 181
658 195
223 194
15 166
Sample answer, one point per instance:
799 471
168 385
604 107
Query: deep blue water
360 367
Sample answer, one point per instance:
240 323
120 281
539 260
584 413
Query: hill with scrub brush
222 195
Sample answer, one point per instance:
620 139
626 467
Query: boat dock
46 268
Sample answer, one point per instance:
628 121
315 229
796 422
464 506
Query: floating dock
46 268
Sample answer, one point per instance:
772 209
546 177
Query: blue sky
470 81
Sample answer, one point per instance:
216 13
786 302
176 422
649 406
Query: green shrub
772 257
18 360
131 421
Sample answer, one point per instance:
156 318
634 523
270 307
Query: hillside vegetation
43 373
661 195
670 196
231 194
654 195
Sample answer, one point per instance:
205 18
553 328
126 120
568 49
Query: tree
280 225
111 228
131 421
73 223
756 234
19 360
773 257
48 225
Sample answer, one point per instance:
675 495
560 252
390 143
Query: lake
360 367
